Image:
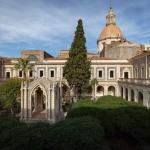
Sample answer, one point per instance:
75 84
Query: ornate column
49 99
136 95
95 91
35 101
29 106
53 103
129 94
124 93
22 100
146 98
45 99
60 96
25 100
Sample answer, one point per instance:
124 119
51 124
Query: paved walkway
39 115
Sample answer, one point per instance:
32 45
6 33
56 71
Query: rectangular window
126 75
111 74
7 75
52 74
41 73
30 73
100 73
20 73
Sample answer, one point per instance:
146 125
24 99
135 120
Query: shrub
7 123
116 116
29 136
80 133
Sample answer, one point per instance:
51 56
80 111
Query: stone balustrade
135 81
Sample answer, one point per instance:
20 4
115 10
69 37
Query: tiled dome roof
111 31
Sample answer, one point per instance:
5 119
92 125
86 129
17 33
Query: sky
50 24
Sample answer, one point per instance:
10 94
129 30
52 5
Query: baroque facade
121 67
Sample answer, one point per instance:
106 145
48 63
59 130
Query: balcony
145 82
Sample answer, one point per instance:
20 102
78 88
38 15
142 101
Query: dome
111 31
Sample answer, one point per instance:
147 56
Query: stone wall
142 66
138 64
123 51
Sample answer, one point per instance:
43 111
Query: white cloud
51 24
20 25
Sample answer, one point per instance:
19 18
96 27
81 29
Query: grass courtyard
107 124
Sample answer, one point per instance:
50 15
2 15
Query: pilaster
105 90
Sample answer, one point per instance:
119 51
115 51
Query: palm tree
24 66
94 82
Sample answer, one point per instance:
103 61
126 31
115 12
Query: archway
111 90
121 89
38 102
100 90
132 95
126 94
140 97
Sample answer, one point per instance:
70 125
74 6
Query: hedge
116 116
79 133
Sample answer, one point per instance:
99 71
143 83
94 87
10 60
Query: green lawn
107 124
105 102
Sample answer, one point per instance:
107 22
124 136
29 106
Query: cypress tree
77 68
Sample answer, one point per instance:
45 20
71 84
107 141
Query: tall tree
10 94
24 66
77 68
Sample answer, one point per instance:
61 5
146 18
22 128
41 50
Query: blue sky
50 24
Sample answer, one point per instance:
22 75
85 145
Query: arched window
32 58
